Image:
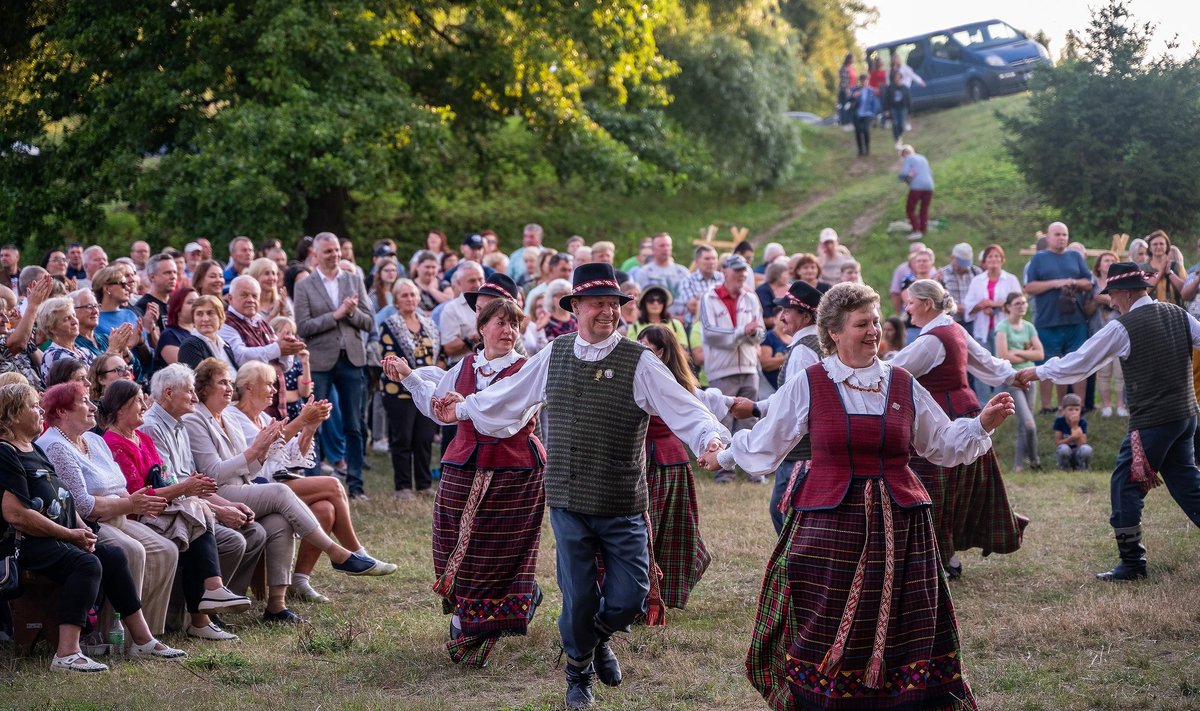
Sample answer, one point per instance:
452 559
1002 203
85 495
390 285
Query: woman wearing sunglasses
105 370
56 543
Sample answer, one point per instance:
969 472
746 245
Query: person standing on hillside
847 78
916 172
897 101
866 108
1154 341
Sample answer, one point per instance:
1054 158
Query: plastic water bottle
116 637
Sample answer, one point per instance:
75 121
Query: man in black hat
600 390
1154 341
798 314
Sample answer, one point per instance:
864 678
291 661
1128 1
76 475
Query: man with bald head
1057 280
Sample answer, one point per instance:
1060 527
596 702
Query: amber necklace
878 387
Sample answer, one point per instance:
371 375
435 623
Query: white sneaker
155 650
76 663
1106 412
380 445
211 632
306 592
223 600
1122 412
915 235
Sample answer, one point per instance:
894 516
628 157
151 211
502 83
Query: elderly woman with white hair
561 321
220 450
56 320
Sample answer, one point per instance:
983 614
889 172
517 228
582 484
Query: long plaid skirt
824 637
675 522
491 583
970 506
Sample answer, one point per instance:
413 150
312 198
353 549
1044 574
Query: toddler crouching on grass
1070 435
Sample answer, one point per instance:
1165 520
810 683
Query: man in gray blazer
333 313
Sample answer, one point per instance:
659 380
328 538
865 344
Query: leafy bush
1110 137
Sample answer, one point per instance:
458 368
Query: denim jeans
350 383
329 437
1169 449
782 475
899 119
586 606
1027 443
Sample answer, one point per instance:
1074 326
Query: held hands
395 368
446 408
146 505
742 408
1025 377
998 409
708 459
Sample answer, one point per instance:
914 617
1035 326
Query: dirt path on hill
855 169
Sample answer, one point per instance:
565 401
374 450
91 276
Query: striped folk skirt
487 526
855 614
970 506
675 526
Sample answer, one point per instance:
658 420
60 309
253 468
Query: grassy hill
979 194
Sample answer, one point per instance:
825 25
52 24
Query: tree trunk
327 212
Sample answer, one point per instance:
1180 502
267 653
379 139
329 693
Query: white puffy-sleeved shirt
797 361
924 354
507 403
935 436
1112 341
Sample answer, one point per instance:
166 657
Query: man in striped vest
1154 341
599 390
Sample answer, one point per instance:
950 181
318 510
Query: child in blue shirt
1070 435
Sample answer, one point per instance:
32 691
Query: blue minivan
965 63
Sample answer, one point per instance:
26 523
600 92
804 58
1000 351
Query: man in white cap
831 256
193 254
956 277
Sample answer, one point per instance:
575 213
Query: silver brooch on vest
603 373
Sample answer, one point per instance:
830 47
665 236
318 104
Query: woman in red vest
854 612
970 505
678 548
487 515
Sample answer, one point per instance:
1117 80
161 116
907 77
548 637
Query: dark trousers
899 119
862 133
349 380
410 442
196 564
81 576
587 609
1169 449
782 475
917 209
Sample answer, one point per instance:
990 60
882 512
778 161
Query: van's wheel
976 91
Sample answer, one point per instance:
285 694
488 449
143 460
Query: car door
944 70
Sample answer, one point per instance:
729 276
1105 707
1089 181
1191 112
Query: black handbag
10 574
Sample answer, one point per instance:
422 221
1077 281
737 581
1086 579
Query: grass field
1037 631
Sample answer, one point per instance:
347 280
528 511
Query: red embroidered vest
662 446
847 446
255 335
521 451
947 383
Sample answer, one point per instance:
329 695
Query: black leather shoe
579 687
1124 571
608 669
954 572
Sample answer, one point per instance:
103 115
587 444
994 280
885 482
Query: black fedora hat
1125 275
497 284
801 296
593 279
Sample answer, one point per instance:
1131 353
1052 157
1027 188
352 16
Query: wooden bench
35 614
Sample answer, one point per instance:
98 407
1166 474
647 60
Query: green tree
262 116
1110 138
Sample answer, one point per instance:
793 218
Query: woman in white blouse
324 495
985 296
86 465
970 505
865 517
221 451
